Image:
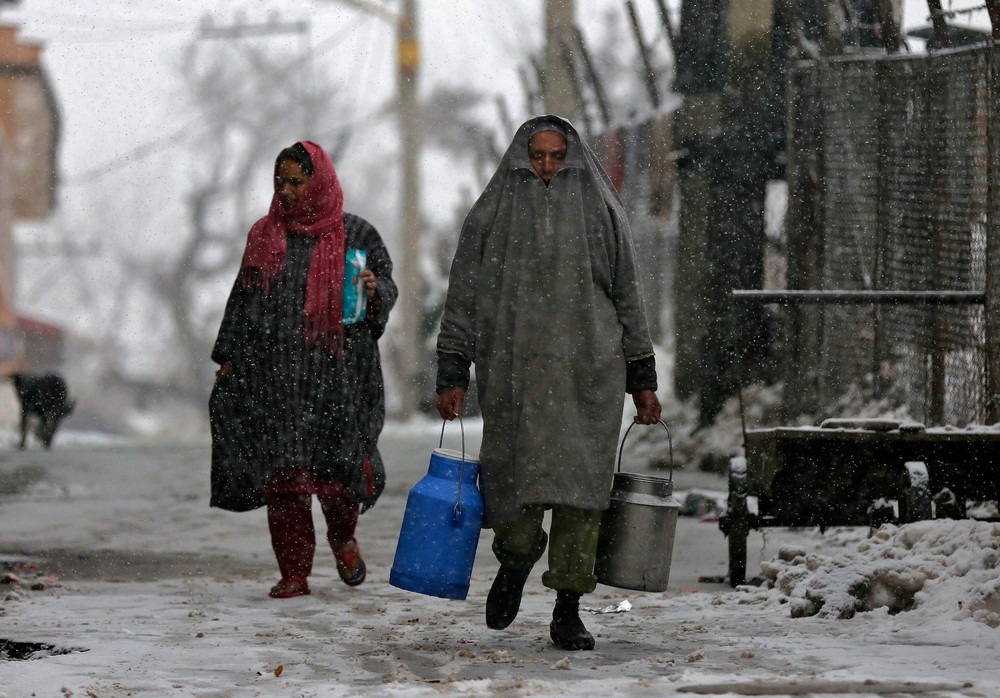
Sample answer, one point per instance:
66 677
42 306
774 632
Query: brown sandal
289 587
347 560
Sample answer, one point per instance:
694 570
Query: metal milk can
636 539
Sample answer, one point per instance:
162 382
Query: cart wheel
914 493
738 521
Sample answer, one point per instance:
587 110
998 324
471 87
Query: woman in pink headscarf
298 402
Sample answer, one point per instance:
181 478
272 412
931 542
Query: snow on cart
862 471
855 473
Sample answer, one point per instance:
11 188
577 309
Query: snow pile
940 568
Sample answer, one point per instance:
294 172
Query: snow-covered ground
115 558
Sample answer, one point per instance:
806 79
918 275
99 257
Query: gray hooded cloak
544 297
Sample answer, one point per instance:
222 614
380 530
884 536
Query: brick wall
29 118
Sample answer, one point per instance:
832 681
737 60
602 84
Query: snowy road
168 597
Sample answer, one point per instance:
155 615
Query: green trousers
572 541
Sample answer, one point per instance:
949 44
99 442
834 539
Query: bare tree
254 101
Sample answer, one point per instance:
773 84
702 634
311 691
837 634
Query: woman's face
290 183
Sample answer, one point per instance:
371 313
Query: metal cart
855 473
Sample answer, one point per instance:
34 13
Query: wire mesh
904 200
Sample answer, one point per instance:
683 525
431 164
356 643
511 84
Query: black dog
44 401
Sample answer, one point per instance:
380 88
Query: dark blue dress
286 404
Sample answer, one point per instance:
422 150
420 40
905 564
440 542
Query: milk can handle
456 512
670 443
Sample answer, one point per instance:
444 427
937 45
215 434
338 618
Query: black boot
566 628
504 599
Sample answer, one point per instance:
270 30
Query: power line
112 36
239 31
114 28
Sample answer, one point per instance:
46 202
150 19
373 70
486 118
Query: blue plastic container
440 531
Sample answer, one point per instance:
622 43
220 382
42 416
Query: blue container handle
456 512
621 448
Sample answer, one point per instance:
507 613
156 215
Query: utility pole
557 83
649 74
410 220
408 307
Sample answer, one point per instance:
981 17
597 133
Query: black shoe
566 628
504 600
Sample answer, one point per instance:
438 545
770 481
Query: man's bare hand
450 403
647 407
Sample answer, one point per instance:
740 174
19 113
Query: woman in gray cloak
544 298
298 402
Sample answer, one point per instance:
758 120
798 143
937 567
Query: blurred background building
29 139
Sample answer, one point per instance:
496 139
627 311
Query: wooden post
536 64
557 87
668 25
993 8
592 76
806 235
992 309
939 23
937 96
531 96
890 32
410 220
581 102
650 74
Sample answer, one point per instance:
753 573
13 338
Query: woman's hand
647 407
368 279
450 403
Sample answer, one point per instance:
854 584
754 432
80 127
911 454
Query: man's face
547 152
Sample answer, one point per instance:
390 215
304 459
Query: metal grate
903 204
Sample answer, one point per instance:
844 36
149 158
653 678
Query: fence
893 166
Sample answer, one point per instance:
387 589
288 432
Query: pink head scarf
318 214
